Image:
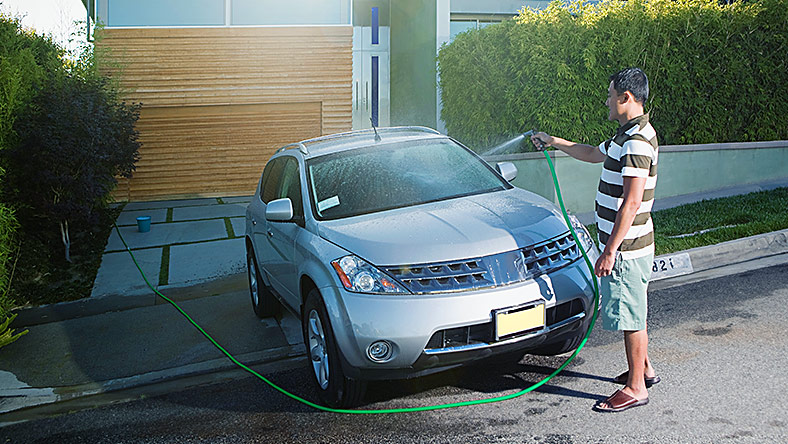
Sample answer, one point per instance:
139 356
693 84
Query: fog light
379 351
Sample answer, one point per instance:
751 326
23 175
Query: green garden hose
409 409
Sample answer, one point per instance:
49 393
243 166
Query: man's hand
541 140
604 265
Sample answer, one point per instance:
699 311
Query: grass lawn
713 221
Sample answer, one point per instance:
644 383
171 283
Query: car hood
461 228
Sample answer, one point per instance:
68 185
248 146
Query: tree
76 139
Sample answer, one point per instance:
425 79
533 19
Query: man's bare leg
649 372
636 346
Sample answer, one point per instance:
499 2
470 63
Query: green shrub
8 244
24 58
74 141
712 68
7 335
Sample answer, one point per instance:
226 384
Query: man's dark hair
633 80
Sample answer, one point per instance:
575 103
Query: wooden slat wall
217 102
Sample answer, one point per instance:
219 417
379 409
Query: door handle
355 102
366 96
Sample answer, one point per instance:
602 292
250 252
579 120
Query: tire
559 347
333 387
264 302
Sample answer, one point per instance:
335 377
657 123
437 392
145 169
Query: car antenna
377 136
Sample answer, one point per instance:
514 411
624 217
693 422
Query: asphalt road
719 346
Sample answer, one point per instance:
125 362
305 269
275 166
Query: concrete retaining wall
683 169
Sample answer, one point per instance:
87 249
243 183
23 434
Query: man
626 234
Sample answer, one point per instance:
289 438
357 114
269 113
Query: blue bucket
143 224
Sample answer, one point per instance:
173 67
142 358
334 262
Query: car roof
333 143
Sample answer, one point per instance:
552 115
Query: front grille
449 276
489 271
551 255
564 311
461 336
483 334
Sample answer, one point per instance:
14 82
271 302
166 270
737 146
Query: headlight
359 276
582 233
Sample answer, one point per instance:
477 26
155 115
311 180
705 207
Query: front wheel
335 389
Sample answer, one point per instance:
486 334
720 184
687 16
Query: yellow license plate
515 320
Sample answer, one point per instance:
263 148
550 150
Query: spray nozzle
537 143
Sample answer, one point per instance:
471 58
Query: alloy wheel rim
252 280
318 352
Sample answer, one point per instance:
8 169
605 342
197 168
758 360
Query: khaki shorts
624 303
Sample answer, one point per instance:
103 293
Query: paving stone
239 225
170 203
168 234
118 274
130 217
208 212
238 199
205 261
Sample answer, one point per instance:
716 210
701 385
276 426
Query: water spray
515 141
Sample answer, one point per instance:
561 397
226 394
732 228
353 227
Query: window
458 26
291 12
162 13
223 12
290 186
461 22
271 177
382 177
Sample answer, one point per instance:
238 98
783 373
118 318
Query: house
224 83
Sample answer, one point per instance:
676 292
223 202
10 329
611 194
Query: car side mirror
279 210
507 170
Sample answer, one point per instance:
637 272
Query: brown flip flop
619 402
622 379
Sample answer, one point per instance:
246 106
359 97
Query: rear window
383 177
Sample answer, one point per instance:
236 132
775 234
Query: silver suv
404 253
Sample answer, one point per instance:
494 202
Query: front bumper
411 323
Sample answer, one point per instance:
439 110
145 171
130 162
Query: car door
282 236
269 189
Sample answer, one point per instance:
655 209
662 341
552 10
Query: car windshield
378 178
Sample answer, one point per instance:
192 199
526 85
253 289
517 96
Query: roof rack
301 147
384 130
396 129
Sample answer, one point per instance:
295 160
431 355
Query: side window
272 175
291 186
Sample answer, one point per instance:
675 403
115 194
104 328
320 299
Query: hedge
717 73
24 59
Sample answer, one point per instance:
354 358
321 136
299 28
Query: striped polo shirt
632 152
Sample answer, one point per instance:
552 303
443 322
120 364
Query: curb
23 398
732 252
63 311
738 250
